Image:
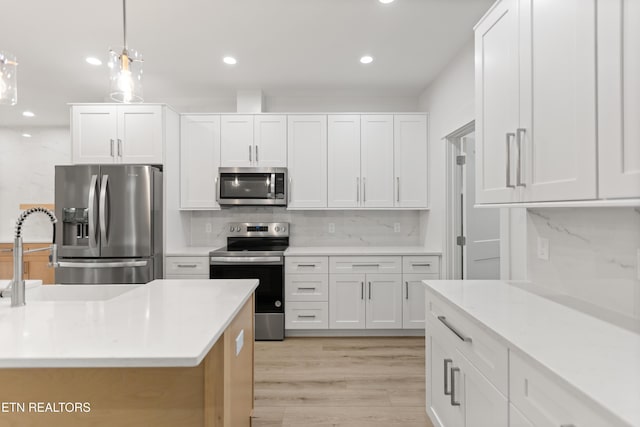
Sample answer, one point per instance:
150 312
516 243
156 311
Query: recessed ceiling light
26 135
28 114
230 60
93 60
385 1
366 59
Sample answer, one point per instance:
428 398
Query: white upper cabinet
117 134
344 182
497 100
307 161
199 161
410 160
236 141
253 141
376 161
270 141
619 98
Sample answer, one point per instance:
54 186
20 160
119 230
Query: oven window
245 186
270 291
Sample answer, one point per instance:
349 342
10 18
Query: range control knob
277 229
283 228
231 229
278 303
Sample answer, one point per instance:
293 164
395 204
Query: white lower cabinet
384 301
413 313
186 267
306 315
306 287
346 301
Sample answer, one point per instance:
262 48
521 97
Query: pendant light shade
125 69
8 79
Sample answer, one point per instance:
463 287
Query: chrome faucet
16 287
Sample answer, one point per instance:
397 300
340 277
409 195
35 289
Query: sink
77 292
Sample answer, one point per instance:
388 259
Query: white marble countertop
596 358
357 250
163 323
191 251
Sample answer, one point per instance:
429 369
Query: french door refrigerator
109 227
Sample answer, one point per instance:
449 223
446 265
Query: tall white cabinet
199 160
343 161
377 150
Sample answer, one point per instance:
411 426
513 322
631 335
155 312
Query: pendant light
8 79
125 69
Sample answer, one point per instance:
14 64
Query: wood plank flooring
340 382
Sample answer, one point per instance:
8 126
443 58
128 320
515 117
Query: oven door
252 186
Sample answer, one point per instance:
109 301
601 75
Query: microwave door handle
217 184
273 183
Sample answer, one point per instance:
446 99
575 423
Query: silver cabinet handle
364 190
309 288
361 290
357 189
453 386
257 154
306 316
306 265
519 133
397 188
406 285
103 210
93 239
366 265
567 425
421 265
447 391
454 330
186 265
119 147
249 154
369 290
509 137
111 150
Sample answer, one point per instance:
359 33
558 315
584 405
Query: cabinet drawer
306 315
485 352
421 264
187 266
365 264
187 277
543 401
307 265
306 287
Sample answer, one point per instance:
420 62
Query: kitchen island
168 353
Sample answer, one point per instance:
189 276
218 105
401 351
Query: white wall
27 176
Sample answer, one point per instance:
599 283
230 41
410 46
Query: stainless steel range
256 250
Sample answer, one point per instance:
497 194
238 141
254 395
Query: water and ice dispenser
75 228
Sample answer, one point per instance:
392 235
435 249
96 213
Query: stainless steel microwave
252 186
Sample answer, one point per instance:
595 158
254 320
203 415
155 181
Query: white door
481 227
413 309
377 161
558 99
236 141
619 98
347 301
270 141
410 160
343 163
140 134
199 161
384 301
497 103
439 362
307 161
94 134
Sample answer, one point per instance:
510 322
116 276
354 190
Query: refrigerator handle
93 238
103 210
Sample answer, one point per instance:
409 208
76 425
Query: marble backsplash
311 228
593 259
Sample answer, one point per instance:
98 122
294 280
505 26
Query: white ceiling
282 46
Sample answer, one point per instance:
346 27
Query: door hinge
461 240
461 160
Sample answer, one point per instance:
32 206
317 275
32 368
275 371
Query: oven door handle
257 260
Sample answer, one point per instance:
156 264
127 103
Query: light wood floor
340 382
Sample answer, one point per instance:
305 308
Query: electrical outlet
332 228
207 227
543 248
396 227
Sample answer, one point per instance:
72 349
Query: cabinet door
439 362
140 134
413 308
199 161
270 141
410 158
497 103
236 141
347 301
38 269
384 301
94 134
343 133
377 161
619 98
307 161
558 99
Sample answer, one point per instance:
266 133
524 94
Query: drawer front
420 264
306 265
306 315
187 277
306 287
187 266
543 401
365 264
485 352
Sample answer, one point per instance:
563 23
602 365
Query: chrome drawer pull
508 157
306 265
306 316
306 289
453 386
406 284
447 391
421 265
187 265
366 265
454 330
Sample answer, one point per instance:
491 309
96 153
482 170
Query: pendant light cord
124 22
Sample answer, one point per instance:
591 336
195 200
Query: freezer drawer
105 271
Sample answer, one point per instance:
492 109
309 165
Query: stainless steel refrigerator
109 226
